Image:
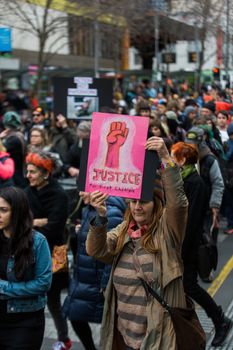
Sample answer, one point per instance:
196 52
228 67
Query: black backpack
207 256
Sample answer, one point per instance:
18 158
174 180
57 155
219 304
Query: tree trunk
40 64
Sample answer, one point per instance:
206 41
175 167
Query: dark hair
173 104
157 123
223 112
190 102
142 105
21 228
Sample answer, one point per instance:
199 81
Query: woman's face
36 177
36 138
156 131
5 214
141 211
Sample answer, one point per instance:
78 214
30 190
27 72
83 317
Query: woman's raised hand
155 143
97 201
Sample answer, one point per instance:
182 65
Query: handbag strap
151 291
78 205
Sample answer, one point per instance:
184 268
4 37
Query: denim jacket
30 294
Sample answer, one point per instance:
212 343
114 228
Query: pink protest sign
116 154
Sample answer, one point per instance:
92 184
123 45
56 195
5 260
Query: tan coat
169 236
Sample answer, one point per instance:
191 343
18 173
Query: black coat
196 192
50 202
85 298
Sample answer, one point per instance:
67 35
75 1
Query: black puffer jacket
85 298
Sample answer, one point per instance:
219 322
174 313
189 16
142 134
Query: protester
39 118
189 116
186 156
14 143
38 139
228 178
85 299
73 156
146 245
7 168
176 132
211 174
25 274
49 205
222 119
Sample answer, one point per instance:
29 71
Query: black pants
83 331
22 338
198 294
207 226
59 282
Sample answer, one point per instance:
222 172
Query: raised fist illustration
116 138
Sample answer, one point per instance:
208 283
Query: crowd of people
116 241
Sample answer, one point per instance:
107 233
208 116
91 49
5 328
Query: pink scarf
135 232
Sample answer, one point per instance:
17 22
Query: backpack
207 256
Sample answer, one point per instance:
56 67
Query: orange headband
40 162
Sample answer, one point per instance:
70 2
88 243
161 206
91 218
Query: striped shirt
131 296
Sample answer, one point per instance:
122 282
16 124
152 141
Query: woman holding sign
145 247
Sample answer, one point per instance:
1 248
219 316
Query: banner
77 98
116 157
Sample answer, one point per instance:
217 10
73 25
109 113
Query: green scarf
187 170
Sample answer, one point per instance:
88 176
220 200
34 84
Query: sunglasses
36 114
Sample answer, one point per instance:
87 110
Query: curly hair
183 150
21 223
42 160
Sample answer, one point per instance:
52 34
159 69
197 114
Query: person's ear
183 161
46 176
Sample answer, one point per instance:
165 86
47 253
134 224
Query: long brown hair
147 240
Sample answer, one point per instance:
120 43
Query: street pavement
221 289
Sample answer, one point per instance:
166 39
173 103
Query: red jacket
7 166
222 106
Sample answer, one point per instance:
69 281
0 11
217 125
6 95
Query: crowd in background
204 120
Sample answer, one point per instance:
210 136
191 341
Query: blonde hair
147 240
2 148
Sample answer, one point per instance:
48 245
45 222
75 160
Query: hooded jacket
211 174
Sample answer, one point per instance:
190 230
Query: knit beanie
209 105
189 109
11 120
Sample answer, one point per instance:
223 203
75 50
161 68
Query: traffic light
216 73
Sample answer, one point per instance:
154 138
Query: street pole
227 37
197 57
96 43
96 48
156 28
